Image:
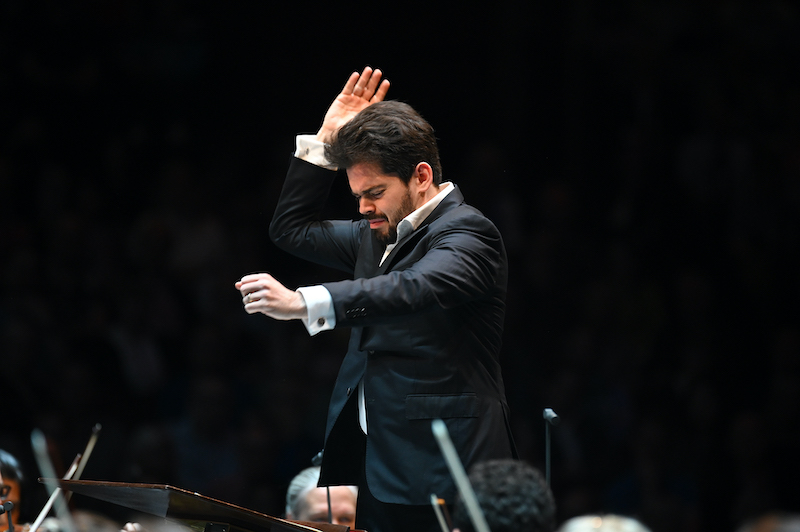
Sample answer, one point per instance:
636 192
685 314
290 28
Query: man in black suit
425 305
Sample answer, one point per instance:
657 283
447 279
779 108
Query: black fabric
373 515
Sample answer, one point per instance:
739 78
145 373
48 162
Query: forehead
341 496
364 176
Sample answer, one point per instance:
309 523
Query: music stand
198 512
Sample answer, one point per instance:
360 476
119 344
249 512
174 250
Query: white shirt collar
410 223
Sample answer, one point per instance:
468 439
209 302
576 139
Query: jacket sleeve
460 259
296 226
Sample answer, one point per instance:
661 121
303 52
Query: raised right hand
360 91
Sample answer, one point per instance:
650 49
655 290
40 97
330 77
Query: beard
389 235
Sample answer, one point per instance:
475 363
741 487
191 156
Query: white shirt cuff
308 148
321 316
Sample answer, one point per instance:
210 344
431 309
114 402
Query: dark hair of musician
513 496
392 136
9 467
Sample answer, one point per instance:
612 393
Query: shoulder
459 214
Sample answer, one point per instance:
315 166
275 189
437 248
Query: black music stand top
198 512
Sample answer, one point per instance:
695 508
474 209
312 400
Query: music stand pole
550 418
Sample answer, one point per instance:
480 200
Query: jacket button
349 391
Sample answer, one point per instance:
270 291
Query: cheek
393 212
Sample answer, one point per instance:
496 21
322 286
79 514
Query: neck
429 195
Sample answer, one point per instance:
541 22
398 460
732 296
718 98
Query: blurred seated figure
10 487
11 480
602 523
82 521
772 522
307 502
154 524
513 496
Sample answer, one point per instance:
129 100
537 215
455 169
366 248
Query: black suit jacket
426 334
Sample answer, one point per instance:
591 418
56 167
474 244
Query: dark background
641 160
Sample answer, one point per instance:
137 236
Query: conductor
425 305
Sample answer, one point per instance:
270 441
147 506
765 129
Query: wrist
324 135
300 308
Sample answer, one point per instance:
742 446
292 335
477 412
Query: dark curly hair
513 495
389 134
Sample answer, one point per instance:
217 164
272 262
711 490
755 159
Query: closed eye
370 194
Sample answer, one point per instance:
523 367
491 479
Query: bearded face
382 200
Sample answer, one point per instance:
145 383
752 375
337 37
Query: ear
423 177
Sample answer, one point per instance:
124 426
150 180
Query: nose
365 206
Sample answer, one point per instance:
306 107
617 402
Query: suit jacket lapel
369 255
452 200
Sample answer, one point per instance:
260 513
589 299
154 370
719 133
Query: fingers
252 297
380 94
351 83
372 84
367 85
362 83
252 287
252 277
370 78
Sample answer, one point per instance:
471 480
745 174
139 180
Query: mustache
375 216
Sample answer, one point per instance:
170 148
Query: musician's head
513 497
307 502
603 523
10 483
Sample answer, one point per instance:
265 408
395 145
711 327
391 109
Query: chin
384 236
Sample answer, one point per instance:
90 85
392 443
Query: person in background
307 502
10 487
602 523
513 496
772 522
